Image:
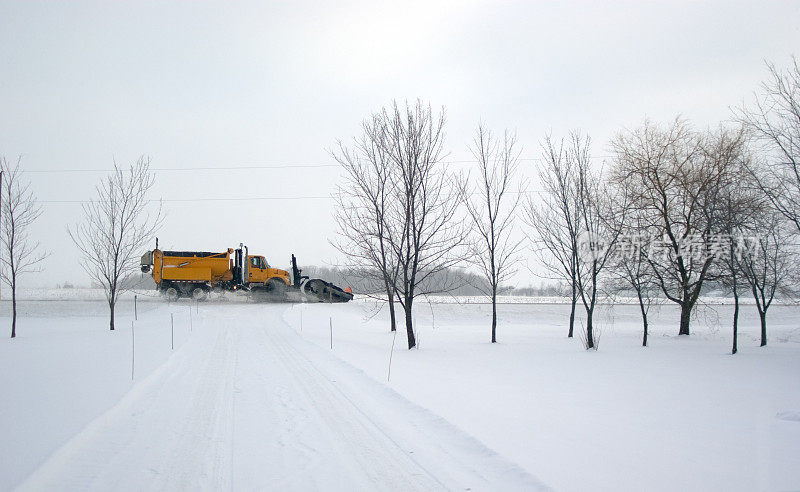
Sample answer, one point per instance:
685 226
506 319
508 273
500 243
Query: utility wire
221 199
255 166
209 168
254 198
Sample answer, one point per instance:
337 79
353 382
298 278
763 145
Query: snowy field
253 397
681 414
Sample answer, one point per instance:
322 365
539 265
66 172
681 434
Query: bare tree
766 261
739 215
601 215
397 214
554 218
675 176
731 276
630 269
115 228
426 238
492 206
18 212
774 120
362 213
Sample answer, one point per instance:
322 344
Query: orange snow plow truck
194 274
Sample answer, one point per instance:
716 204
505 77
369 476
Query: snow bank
150 295
65 368
447 299
78 294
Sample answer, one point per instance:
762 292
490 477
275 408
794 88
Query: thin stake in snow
135 311
433 316
172 331
389 374
330 322
1 216
133 351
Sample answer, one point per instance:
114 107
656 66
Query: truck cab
260 272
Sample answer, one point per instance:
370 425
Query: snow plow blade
316 290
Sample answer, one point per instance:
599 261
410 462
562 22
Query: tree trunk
392 316
13 309
644 319
686 317
763 316
572 311
735 320
589 330
494 315
412 341
111 305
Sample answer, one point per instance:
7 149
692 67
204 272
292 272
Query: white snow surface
680 414
253 397
243 403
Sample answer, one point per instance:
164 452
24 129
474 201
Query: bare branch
773 119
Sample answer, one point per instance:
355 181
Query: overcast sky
273 85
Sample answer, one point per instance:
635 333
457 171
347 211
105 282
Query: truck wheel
199 294
275 287
171 294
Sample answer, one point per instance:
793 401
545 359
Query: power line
258 166
208 168
219 199
252 198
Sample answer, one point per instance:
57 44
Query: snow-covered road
245 404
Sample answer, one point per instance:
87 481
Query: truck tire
199 293
171 294
275 287
273 290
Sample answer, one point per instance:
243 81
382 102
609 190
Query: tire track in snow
384 464
201 450
276 442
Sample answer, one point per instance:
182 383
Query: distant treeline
454 281
461 282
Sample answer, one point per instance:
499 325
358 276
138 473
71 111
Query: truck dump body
192 266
